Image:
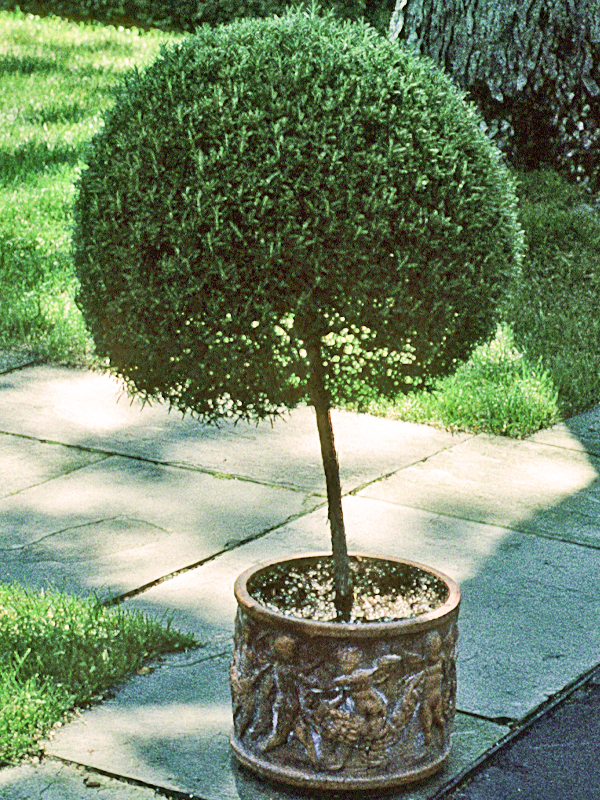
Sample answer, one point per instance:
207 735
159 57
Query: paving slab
17 357
528 620
556 758
522 485
581 432
54 780
83 408
105 495
171 728
119 524
29 462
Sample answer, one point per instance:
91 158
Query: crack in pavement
16 547
227 549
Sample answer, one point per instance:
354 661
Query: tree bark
533 66
320 401
507 44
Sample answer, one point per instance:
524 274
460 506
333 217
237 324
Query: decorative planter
333 705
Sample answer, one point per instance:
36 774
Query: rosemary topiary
290 208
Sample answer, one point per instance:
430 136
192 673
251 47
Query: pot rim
364 630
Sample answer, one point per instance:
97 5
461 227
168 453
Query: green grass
497 391
544 364
553 308
55 84
59 652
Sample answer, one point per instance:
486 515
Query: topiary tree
285 210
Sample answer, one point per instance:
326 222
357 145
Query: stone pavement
553 757
98 494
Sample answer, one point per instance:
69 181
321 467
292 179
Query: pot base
327 780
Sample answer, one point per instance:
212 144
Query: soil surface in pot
384 591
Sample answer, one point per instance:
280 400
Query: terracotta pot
333 705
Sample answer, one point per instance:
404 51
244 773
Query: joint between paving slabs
387 475
112 601
70 471
594 450
90 780
159 463
517 728
518 528
508 722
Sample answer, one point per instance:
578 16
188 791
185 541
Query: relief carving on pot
341 706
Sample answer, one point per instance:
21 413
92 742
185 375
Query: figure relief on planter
348 708
427 705
265 681
248 667
357 713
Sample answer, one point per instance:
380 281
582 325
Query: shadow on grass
26 65
36 158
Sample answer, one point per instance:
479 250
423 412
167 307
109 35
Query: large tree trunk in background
320 401
533 66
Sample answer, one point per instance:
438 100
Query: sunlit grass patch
497 391
56 82
58 652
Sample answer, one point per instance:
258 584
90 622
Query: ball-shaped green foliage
269 185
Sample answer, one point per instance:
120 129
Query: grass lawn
55 83
497 391
59 652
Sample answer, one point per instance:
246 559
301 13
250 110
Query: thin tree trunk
320 400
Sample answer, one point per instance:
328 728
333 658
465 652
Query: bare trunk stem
320 400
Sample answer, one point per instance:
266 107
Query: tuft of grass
59 652
497 391
56 82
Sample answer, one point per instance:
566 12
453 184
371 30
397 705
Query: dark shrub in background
187 15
